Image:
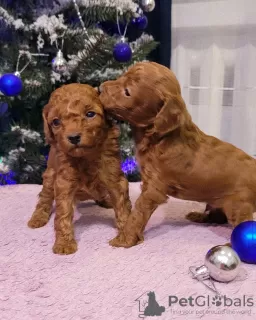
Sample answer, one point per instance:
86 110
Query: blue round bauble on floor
10 84
122 52
243 240
140 22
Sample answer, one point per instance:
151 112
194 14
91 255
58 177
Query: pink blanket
104 283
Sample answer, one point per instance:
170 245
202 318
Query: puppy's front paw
38 220
65 247
122 241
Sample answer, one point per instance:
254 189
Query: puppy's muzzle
74 138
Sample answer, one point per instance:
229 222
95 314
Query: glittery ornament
59 64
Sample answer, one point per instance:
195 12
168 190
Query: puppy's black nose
74 138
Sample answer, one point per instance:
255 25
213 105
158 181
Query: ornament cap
139 12
201 273
17 74
59 54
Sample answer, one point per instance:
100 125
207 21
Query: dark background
160 28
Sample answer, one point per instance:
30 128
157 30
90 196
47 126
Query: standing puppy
175 157
84 163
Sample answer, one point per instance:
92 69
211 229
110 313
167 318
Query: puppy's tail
212 216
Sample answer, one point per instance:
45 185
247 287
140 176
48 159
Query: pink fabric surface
101 282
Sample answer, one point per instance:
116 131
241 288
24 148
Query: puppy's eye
56 122
90 114
127 93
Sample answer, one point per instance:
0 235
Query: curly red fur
175 157
90 169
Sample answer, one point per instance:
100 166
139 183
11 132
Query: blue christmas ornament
122 52
7 178
140 22
10 84
129 166
243 240
3 110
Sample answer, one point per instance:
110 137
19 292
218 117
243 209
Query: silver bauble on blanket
223 263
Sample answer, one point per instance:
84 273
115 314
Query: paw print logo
216 301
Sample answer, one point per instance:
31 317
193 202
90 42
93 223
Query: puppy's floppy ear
49 137
171 116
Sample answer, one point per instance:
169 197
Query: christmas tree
47 43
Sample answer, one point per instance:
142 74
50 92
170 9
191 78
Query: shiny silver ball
223 263
59 64
147 5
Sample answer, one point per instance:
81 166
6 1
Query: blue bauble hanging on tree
140 22
122 52
11 84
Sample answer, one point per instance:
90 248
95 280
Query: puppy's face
148 94
131 97
74 119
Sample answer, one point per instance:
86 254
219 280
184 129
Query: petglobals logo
207 301
149 305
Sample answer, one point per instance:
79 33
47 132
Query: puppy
175 157
84 163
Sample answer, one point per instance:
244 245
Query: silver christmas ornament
59 63
147 5
221 263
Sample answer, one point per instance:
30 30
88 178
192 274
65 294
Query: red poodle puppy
175 157
84 163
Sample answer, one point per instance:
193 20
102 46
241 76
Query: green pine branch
144 49
93 14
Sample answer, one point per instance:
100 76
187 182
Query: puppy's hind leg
238 211
43 209
210 215
105 202
102 197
